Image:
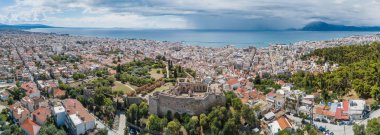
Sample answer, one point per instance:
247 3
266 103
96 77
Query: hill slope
25 26
323 26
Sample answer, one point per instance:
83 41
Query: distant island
323 26
25 26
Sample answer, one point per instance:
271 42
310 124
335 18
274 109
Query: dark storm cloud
228 14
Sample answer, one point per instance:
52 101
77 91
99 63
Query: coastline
209 38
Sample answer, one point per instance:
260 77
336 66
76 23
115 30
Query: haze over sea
209 38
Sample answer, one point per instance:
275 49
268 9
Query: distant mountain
25 26
323 26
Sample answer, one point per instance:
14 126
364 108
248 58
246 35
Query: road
100 125
339 130
122 120
374 114
167 71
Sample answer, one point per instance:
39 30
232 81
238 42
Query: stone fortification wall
161 103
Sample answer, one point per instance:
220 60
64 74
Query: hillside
25 26
359 71
323 26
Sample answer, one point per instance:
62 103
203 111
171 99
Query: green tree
203 121
172 128
257 80
374 105
358 129
50 129
18 84
236 103
154 123
132 113
249 116
230 127
192 125
373 127
143 109
375 92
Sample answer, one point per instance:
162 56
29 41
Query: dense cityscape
62 84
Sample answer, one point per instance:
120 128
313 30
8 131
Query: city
189 67
84 85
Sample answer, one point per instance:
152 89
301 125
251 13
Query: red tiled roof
59 93
245 98
112 72
280 82
42 114
238 90
271 94
232 81
29 87
30 127
284 123
324 111
340 115
74 106
345 105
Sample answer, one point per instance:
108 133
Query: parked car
321 128
325 121
317 120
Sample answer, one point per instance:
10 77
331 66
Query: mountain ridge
25 26
323 26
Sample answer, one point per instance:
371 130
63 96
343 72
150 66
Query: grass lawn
153 73
166 86
121 87
133 86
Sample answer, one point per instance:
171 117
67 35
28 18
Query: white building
356 109
59 114
78 121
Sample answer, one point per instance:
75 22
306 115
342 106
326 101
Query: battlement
189 98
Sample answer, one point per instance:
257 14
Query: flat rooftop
75 119
59 109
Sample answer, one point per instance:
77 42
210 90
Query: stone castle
192 98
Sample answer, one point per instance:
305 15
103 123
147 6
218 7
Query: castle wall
189 105
153 106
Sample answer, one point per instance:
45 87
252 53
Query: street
337 129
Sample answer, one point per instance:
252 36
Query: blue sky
190 14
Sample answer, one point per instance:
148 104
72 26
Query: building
41 115
333 112
78 121
186 97
28 103
357 109
280 124
58 93
59 115
30 128
4 95
18 113
31 89
233 83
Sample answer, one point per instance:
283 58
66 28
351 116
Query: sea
208 38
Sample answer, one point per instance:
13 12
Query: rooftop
75 119
31 127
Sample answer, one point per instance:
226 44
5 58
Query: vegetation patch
137 72
359 70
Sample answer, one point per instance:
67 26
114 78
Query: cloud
131 20
202 14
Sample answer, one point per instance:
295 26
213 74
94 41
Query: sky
190 14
